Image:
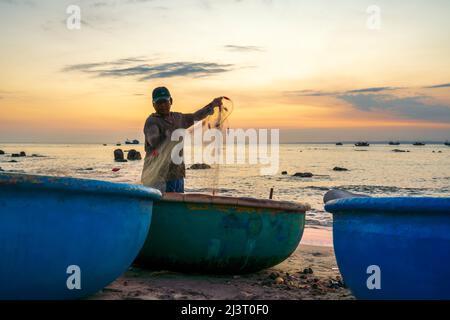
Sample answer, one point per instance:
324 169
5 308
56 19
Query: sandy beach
309 273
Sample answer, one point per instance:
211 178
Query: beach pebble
399 150
339 169
303 175
274 275
115 170
284 173
200 166
134 155
279 280
308 271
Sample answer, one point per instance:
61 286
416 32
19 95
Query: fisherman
159 170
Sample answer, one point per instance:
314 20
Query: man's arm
189 119
152 135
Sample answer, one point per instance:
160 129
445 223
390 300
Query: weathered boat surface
407 238
212 234
48 224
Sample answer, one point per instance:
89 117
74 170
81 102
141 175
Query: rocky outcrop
303 175
200 166
18 155
134 155
119 156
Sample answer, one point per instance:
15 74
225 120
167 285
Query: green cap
161 93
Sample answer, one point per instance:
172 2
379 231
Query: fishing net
213 131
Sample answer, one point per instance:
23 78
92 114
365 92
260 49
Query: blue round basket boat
66 238
393 248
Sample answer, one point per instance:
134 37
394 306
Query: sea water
374 170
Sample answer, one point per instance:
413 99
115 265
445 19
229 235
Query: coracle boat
393 248
221 235
66 238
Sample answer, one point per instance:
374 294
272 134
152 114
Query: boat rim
202 198
390 205
80 185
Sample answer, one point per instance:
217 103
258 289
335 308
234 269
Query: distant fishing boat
418 144
392 143
362 144
339 144
447 143
223 235
405 240
51 227
132 141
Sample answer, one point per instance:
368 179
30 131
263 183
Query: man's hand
217 102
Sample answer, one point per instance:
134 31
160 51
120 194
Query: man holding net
159 170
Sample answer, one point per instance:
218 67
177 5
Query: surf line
193 310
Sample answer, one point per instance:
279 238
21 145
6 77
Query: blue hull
48 224
407 238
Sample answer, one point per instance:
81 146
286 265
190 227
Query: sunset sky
314 69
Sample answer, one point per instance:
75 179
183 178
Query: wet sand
286 281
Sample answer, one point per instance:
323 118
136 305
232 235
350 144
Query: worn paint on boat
408 238
48 224
212 234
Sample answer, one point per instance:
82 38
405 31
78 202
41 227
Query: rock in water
284 173
134 155
200 166
1 169
398 150
15 155
22 154
339 169
303 175
119 156
2 152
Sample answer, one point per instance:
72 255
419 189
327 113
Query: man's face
162 106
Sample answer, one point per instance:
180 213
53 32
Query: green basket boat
222 235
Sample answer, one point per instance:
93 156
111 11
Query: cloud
416 107
316 93
134 67
19 2
112 3
438 86
382 99
243 48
